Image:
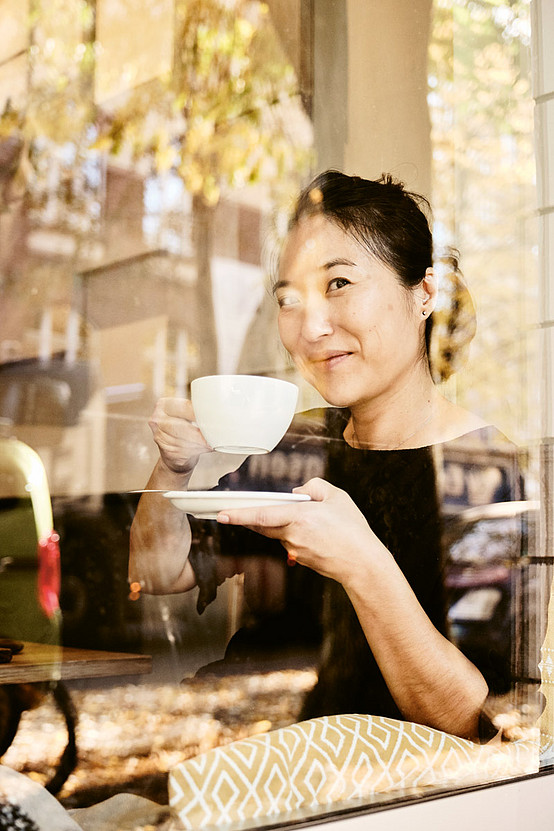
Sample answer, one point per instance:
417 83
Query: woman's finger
178 408
173 419
179 440
172 411
263 518
318 489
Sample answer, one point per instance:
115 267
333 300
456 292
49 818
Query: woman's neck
431 419
405 420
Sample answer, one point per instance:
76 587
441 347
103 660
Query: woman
356 291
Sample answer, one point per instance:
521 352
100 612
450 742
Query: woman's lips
331 359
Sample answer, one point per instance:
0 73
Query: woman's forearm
432 682
161 538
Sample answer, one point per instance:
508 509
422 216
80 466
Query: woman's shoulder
455 424
480 467
487 435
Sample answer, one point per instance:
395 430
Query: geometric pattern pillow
331 760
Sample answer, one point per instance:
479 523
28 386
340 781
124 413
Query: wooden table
45 662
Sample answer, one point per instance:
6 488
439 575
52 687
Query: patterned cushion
331 760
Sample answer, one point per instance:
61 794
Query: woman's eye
338 283
286 300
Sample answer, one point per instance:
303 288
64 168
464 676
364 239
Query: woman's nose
316 322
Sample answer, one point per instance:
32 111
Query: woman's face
354 332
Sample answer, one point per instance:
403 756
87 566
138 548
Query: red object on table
49 578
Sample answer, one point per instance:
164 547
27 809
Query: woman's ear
426 293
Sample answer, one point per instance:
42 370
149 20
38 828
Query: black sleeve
203 560
212 543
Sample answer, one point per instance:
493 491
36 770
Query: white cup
243 413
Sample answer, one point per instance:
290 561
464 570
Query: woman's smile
331 359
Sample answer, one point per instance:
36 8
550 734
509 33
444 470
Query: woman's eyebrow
282 284
338 261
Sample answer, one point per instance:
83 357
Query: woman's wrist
371 572
165 478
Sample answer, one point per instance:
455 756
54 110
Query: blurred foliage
225 116
228 115
55 125
61 66
481 108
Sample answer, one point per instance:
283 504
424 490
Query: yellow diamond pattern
331 760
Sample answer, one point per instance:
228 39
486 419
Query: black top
407 497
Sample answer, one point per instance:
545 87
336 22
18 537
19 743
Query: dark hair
387 220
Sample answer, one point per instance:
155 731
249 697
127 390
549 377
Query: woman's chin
335 394
334 399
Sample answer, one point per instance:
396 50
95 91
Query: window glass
150 157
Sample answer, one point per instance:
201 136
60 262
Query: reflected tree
484 191
228 116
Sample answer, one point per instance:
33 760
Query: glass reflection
148 156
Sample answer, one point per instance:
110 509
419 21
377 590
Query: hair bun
454 321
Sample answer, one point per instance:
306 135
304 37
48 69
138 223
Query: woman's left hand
328 534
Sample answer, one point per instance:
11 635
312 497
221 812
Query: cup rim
240 376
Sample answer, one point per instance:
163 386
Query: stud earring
424 313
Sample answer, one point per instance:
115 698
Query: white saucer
207 504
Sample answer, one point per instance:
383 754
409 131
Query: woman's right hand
179 440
